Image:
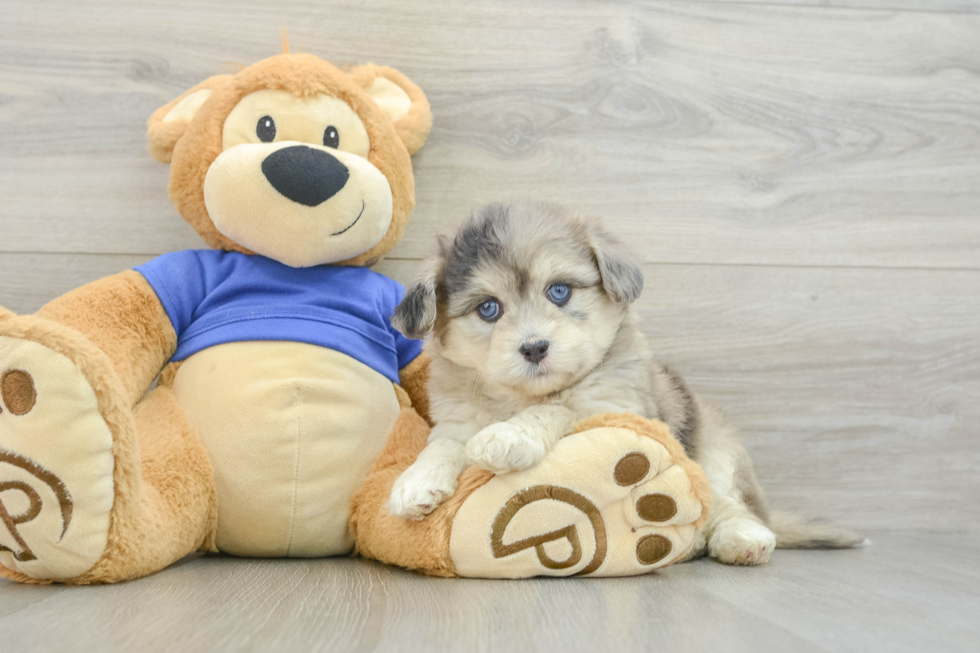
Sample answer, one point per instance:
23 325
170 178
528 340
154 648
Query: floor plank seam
814 6
704 264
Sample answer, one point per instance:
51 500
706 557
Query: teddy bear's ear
402 101
167 124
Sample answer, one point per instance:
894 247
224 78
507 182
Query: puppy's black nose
304 174
535 351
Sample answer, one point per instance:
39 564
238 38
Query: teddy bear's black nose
304 174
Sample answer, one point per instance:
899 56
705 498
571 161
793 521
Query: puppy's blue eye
489 311
559 293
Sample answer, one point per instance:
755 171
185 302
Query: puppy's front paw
503 447
417 493
741 542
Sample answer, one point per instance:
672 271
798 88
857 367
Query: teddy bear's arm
414 380
123 317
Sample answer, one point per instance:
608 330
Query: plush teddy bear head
295 159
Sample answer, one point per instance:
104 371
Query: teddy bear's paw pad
56 464
667 499
604 502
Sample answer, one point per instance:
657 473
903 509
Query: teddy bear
253 398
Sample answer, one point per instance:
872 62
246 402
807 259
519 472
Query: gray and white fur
516 361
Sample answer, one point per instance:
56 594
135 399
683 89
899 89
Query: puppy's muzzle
305 175
534 351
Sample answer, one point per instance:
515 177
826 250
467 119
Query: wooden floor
802 180
906 592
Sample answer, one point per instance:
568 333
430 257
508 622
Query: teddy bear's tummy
292 430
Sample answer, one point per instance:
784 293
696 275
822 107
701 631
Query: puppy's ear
622 277
415 316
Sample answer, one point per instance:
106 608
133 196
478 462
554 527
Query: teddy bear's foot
56 463
617 498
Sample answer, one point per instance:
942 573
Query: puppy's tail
797 532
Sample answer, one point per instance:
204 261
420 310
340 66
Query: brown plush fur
122 317
168 374
424 545
304 76
414 379
175 510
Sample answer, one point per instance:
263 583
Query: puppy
528 308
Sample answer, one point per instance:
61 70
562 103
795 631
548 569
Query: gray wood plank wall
802 182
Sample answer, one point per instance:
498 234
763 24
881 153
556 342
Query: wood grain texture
860 600
709 132
800 177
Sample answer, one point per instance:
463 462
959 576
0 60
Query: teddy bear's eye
331 137
266 129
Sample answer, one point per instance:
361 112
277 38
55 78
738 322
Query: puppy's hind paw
504 447
741 542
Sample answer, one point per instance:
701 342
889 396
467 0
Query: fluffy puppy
528 315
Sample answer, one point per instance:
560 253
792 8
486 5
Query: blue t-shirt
214 297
